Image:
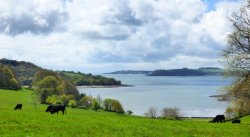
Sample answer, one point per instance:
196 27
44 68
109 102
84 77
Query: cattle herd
56 108
51 108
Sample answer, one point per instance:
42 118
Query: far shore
105 86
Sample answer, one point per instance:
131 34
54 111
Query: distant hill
131 72
203 71
188 72
25 72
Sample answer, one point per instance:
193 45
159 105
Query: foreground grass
34 122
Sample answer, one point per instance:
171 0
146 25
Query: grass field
34 122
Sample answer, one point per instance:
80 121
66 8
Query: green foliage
65 98
72 103
80 79
95 105
24 71
47 87
48 83
35 122
51 99
86 101
7 78
113 105
68 88
54 99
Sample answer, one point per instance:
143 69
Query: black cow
18 106
236 121
56 108
49 108
218 118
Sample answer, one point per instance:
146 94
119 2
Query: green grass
34 122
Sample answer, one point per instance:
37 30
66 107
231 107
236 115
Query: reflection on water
189 94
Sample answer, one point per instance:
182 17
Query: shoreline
104 86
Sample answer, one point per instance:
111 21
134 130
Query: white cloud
102 35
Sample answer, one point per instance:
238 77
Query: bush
152 112
95 105
66 98
171 113
72 104
130 112
82 107
54 100
231 113
86 101
59 102
51 99
113 105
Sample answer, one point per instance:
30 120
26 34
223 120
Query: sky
97 36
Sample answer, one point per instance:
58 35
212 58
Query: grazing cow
236 121
56 108
49 108
218 118
18 106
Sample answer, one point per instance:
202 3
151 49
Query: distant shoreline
103 86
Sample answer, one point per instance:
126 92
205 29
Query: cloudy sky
105 35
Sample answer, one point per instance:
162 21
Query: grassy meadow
33 121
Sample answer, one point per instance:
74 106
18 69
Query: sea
190 94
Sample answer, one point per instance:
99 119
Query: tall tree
47 87
48 83
8 79
237 56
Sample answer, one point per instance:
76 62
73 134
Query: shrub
86 101
95 105
82 107
72 104
230 113
171 113
51 99
54 100
130 112
113 105
152 112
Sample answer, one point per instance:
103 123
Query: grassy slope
34 122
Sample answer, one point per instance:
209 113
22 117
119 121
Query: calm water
189 94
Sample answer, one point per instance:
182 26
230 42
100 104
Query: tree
48 83
66 87
171 113
152 112
95 105
47 87
237 57
8 79
99 101
130 112
113 105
